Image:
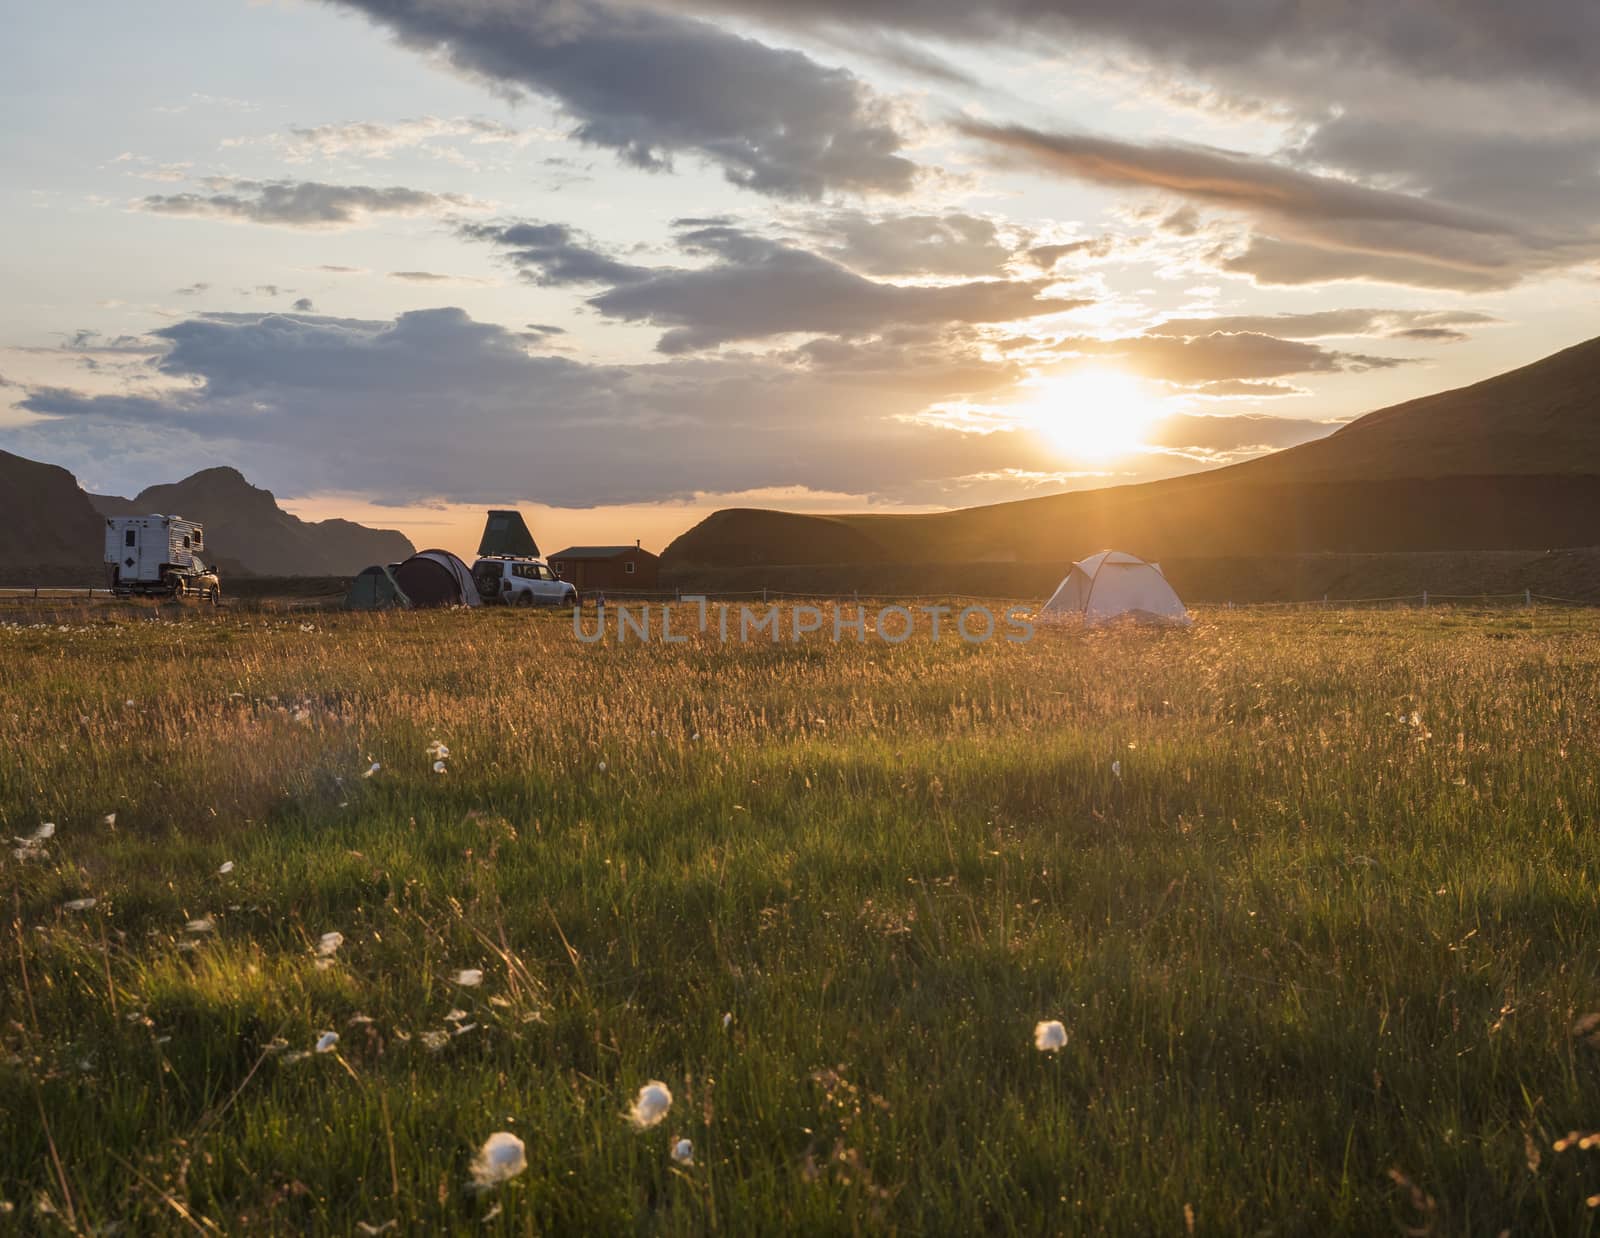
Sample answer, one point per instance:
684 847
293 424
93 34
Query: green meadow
1312 893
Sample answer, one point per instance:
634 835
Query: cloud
1328 324
379 140
1222 356
1308 227
1232 435
1246 388
302 204
553 254
433 277
755 288
303 305
434 404
953 243
193 290
652 85
1475 42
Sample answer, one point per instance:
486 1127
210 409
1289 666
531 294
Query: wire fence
21 594
1425 598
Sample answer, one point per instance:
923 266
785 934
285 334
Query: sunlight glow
1095 414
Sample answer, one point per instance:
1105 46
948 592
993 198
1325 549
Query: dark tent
375 589
506 534
437 578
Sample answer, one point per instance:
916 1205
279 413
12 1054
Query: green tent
506 533
375 589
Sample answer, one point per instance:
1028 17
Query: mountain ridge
1508 463
52 530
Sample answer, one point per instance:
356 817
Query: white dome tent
1111 585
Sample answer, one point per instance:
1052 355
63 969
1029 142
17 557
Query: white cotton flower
47 830
225 869
651 1106
203 925
455 1016
78 904
327 1042
727 1020
435 1040
109 820
602 767
438 751
328 944
468 977
372 769
1116 769
439 767
683 1151
1049 1036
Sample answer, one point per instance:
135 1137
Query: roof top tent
506 534
375 589
436 578
1111 585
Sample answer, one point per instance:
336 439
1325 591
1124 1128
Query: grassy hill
1511 463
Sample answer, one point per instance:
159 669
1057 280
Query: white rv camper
158 555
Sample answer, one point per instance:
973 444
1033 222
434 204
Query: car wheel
522 598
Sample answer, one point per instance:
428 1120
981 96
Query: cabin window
628 567
198 536
129 538
186 543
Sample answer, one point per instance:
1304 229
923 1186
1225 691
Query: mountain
245 524
1511 463
49 531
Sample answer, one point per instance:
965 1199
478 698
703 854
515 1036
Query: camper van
158 556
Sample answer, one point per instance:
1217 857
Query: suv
521 582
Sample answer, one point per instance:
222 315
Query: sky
622 264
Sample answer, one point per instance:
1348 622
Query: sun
1094 414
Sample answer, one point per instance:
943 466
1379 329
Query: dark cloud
193 290
1432 335
756 288
1194 360
301 204
651 85
303 305
338 270
1330 324
554 254
1308 227
1475 42
434 404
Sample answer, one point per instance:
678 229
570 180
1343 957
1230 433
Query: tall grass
1320 943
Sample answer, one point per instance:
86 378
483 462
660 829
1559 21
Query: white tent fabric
1111 585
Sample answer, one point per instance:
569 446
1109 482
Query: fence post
1424 599
763 595
1527 597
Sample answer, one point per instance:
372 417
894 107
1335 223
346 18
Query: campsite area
328 900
